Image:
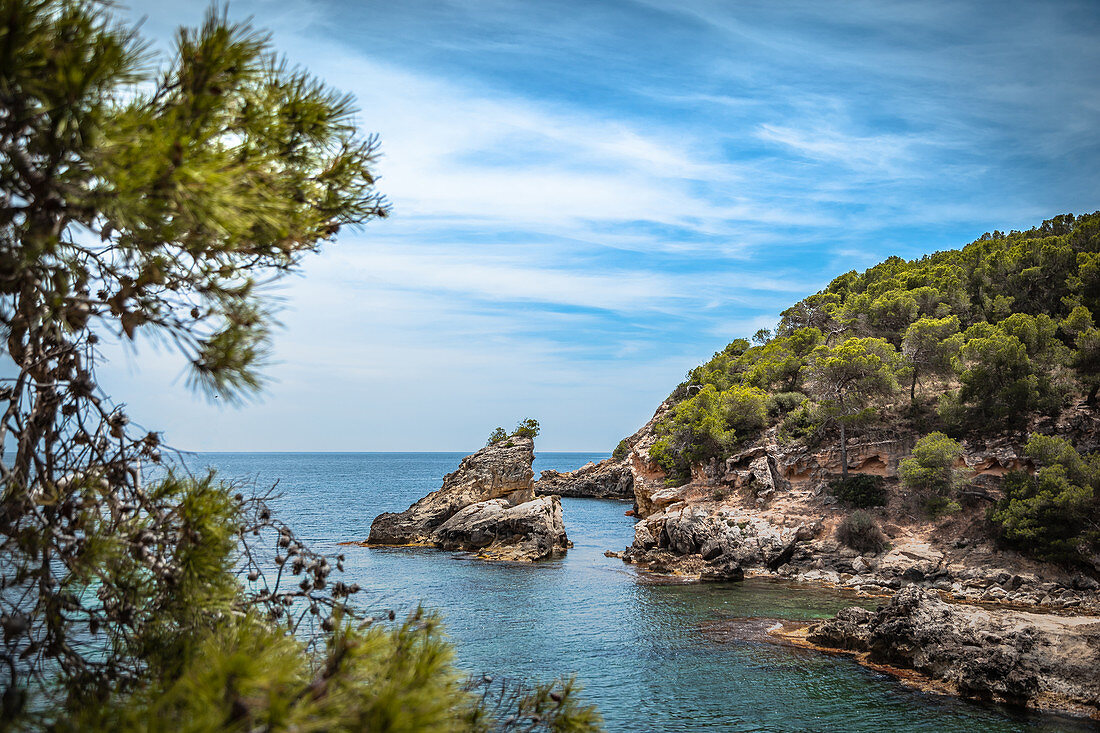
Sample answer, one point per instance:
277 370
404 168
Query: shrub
496 436
744 409
800 422
781 403
621 450
938 506
1051 515
930 471
528 428
860 490
861 532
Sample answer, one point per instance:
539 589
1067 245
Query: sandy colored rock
499 530
487 506
502 470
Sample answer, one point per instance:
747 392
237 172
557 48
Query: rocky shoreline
1014 629
1044 661
603 480
487 506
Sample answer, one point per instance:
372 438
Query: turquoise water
652 656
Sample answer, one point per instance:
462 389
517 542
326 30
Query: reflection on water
642 650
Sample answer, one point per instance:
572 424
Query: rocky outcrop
713 545
1017 657
607 479
770 510
499 530
487 506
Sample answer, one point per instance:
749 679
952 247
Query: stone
723 570
487 506
607 479
1004 655
496 529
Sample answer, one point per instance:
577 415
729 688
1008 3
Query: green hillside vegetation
974 341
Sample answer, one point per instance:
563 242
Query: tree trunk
913 387
843 451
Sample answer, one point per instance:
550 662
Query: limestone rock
604 480
1011 656
488 506
499 530
502 470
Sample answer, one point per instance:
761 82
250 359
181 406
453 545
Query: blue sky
592 197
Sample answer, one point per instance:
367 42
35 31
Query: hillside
926 429
928 414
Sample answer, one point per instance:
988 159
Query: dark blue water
647 654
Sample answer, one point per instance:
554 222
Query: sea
652 656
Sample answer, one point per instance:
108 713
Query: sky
590 198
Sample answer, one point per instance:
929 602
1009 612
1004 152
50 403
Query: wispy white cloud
590 198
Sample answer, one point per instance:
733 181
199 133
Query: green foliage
860 490
706 426
622 450
930 468
496 436
781 403
1000 374
528 428
845 378
930 344
861 532
779 362
1055 514
159 196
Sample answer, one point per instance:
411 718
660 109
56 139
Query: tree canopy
987 338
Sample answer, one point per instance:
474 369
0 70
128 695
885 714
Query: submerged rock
1011 656
487 505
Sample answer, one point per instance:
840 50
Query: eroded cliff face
487 506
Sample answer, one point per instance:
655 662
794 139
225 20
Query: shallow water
646 653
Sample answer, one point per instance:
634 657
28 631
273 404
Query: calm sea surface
645 653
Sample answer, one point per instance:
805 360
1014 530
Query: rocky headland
603 480
960 609
487 506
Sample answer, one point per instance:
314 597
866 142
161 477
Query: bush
930 471
781 403
496 436
860 531
745 409
528 428
1051 515
800 422
621 450
859 490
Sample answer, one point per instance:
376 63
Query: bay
645 652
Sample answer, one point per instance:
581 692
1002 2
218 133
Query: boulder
487 505
604 480
499 530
